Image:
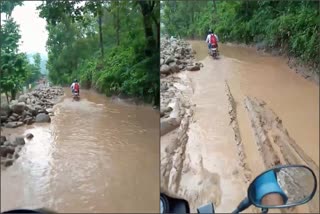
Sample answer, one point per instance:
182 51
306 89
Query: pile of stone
176 55
35 106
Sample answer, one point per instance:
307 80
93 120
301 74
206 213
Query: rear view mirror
282 187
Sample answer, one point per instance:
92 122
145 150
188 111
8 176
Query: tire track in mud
178 168
275 144
185 168
237 136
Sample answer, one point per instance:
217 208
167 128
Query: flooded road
293 98
95 156
221 89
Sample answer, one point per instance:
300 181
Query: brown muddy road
95 156
255 139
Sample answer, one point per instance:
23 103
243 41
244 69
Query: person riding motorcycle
212 40
75 87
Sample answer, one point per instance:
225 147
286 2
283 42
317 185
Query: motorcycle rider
212 40
75 87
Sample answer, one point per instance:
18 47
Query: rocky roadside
33 107
176 56
176 111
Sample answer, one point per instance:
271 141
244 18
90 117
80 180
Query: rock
169 60
5 109
13 118
18 108
174 68
42 111
49 110
169 124
3 118
5 150
43 118
7 143
19 141
16 155
13 124
8 163
29 136
165 69
32 109
161 61
28 120
2 140
23 98
193 68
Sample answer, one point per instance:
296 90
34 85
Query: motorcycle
277 188
214 52
76 96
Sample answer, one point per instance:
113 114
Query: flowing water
95 156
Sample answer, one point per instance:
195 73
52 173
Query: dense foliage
112 46
292 26
15 70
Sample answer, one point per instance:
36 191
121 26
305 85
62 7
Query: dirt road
247 116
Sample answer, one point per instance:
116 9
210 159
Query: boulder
32 110
28 120
13 124
19 141
2 139
43 118
5 109
169 124
29 136
165 69
169 60
23 98
193 68
5 150
18 108
3 118
174 68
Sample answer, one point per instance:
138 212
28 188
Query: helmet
210 31
75 80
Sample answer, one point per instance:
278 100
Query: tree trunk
214 5
247 8
158 30
146 9
118 22
13 94
100 34
7 96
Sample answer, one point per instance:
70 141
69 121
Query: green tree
110 46
292 26
13 64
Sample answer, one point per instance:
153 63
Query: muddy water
95 156
294 99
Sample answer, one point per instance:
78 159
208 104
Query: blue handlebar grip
266 184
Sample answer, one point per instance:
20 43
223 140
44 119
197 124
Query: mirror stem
244 204
264 210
